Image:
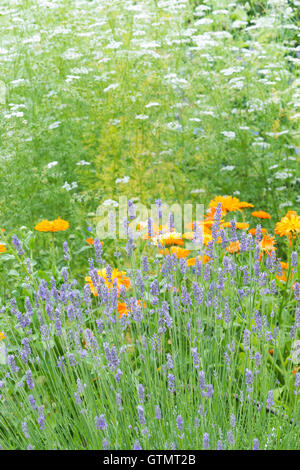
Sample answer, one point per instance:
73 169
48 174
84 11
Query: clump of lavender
180 357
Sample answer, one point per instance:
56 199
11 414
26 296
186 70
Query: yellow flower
57 225
2 336
289 225
202 259
169 238
239 225
2 248
118 277
245 205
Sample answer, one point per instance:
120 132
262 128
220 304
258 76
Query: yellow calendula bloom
289 225
2 336
202 259
169 238
2 248
239 225
56 225
118 277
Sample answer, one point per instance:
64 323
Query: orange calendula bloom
177 251
203 259
289 225
267 243
2 248
118 277
57 225
245 205
261 214
283 277
229 203
233 247
2 335
252 231
239 225
123 310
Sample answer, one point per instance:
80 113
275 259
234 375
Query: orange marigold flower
261 214
2 335
252 231
229 203
2 229
271 352
177 251
283 277
117 276
203 259
2 248
233 247
57 225
289 225
239 225
123 310
267 243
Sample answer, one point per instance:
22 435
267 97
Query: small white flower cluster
68 186
124 180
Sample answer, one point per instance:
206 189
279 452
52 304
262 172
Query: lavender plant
165 355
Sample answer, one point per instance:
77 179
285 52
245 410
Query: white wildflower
51 164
